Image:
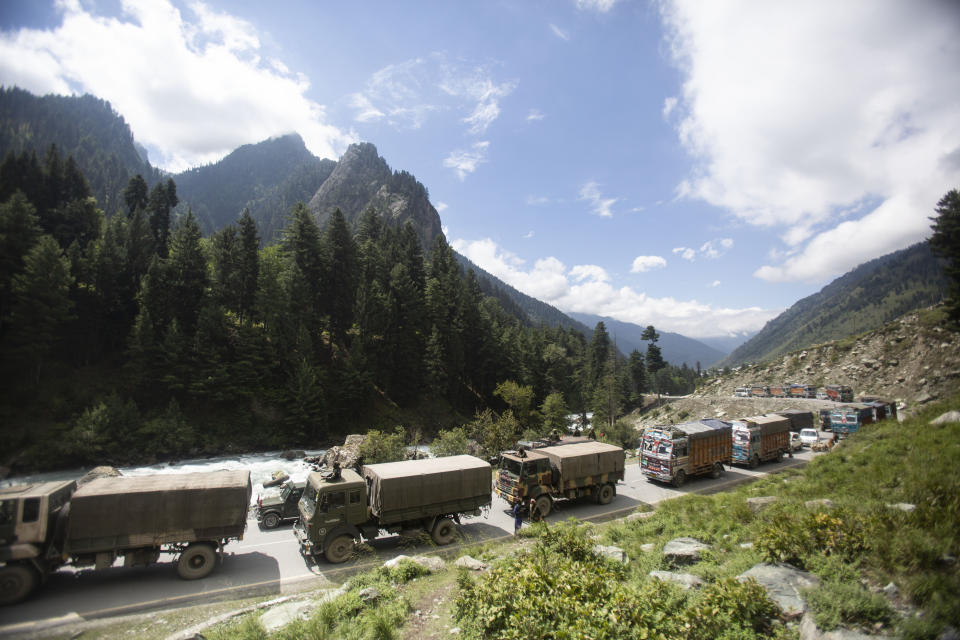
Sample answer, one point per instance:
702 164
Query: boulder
647 547
99 472
293 454
280 616
820 503
614 553
682 551
685 580
347 455
783 584
759 503
642 515
470 563
430 563
947 418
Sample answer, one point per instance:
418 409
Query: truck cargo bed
130 512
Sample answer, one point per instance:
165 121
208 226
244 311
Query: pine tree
135 195
19 232
187 273
249 266
340 275
945 243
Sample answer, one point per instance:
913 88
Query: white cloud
537 201
669 104
598 204
797 114
407 93
686 253
642 264
440 207
715 248
587 289
191 87
465 161
560 33
528 235
601 6
715 283
534 115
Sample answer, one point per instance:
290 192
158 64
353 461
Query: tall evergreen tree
187 274
340 275
19 231
135 195
945 243
249 265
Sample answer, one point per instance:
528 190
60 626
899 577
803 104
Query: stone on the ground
824 503
293 454
430 563
614 553
746 545
760 503
103 471
369 594
471 563
647 547
346 455
947 418
680 551
642 515
783 584
685 580
906 507
286 613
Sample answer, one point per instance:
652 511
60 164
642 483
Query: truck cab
333 512
523 475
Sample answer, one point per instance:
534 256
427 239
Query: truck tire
197 561
271 520
717 470
680 478
606 493
17 581
339 550
543 506
444 531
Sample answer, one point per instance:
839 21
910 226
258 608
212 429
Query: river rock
681 551
346 455
293 454
783 584
685 580
99 472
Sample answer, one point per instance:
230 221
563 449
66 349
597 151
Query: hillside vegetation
866 298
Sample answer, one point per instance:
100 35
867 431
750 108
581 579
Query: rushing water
260 465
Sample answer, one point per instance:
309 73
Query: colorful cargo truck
338 508
565 471
760 439
848 418
839 393
676 452
53 524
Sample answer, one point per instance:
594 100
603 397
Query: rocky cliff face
362 179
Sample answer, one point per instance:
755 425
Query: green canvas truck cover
410 484
128 512
585 459
798 418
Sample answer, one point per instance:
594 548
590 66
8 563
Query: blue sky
699 166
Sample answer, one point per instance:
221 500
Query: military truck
48 525
674 453
274 509
760 439
563 471
341 507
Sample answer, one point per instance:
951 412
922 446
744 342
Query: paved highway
269 562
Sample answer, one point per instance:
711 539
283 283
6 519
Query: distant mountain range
676 349
861 300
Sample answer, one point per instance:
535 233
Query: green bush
835 604
732 609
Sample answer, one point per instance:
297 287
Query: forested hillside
84 128
866 298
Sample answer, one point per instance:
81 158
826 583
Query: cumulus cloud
560 33
669 104
599 205
465 161
440 207
796 113
715 283
407 93
686 253
715 248
642 264
534 115
192 87
587 289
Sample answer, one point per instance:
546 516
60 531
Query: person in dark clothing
517 517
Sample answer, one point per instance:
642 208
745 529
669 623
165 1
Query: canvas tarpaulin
159 509
585 459
399 486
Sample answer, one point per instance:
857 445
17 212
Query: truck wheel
444 532
271 520
606 493
717 470
543 506
754 461
680 478
780 455
340 549
17 581
197 561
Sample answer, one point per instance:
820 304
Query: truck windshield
657 446
511 466
285 493
308 501
741 437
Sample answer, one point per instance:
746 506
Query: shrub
847 603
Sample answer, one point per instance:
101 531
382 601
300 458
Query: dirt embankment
913 360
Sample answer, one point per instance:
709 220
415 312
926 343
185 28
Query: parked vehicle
674 453
779 391
760 439
338 508
563 471
799 419
742 392
759 391
272 510
48 525
847 419
825 419
839 393
822 395
809 437
795 443
802 391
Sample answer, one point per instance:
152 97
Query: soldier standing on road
534 511
517 517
